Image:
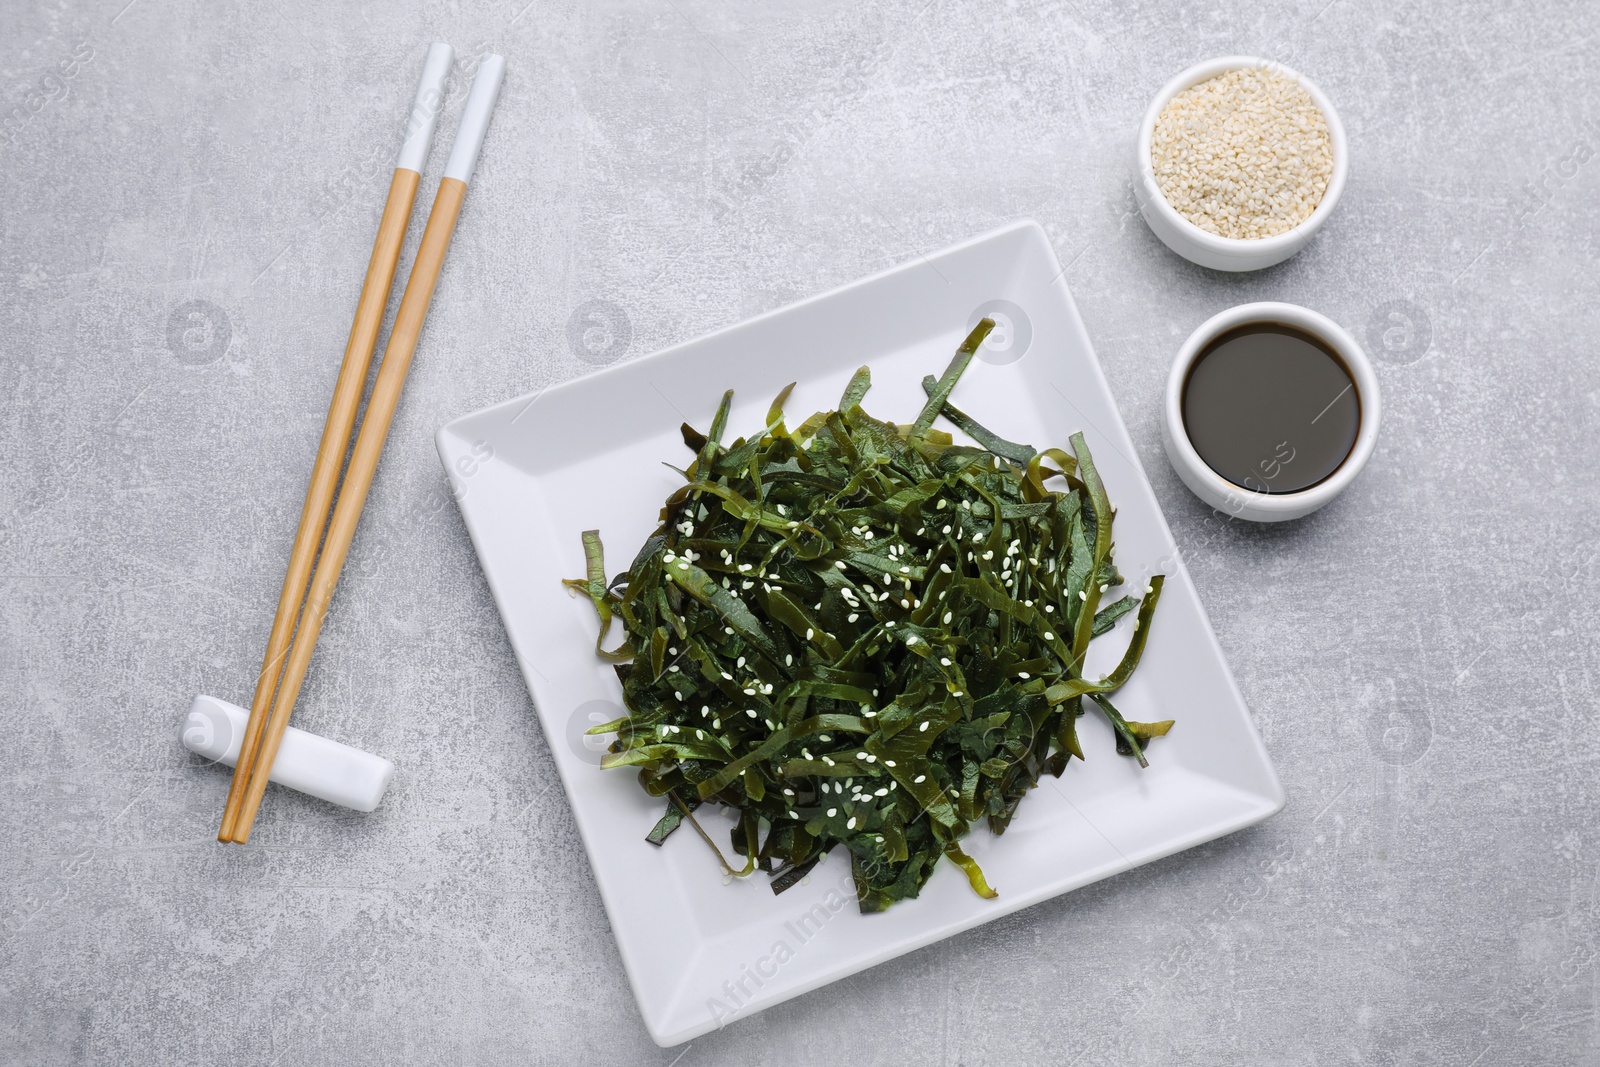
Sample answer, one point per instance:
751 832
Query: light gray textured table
187 201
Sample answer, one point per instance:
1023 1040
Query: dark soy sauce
1271 408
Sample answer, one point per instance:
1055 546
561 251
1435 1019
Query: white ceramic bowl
1208 249
1234 500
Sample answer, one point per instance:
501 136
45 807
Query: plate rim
1272 801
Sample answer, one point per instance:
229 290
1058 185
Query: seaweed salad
863 634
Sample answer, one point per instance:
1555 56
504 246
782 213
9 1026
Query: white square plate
532 473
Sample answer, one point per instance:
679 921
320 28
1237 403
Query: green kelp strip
863 634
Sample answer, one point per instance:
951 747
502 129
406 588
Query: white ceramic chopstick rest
306 762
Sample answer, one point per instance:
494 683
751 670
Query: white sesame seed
944 660
1245 154
911 640
1082 595
851 618
832 812
919 779
839 563
1048 636
850 824
810 633
922 729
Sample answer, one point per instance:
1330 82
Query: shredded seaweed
863 634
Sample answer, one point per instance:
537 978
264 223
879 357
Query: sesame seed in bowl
1240 160
1243 154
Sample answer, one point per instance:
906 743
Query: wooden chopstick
375 424
347 391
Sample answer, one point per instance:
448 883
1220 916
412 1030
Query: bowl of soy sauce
1271 411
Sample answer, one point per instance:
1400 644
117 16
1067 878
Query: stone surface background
187 198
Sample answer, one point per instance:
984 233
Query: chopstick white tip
475 118
424 115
